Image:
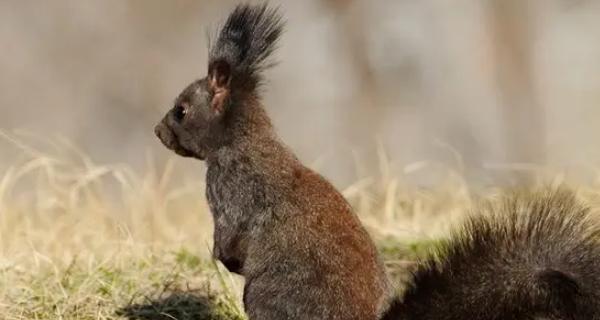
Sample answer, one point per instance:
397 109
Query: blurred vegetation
492 89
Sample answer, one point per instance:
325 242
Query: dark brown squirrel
304 253
300 247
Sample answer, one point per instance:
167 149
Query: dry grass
85 241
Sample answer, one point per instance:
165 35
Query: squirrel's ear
219 79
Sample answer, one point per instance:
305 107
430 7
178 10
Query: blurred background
416 110
497 90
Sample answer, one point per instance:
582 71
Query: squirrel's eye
179 113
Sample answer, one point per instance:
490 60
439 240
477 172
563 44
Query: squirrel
299 245
303 251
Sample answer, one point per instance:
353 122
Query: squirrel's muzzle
170 140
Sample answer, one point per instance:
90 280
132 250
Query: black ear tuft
245 43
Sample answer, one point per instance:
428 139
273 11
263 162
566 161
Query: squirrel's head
194 125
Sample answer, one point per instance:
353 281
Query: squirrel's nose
159 130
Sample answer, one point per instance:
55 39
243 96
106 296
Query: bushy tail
535 257
244 44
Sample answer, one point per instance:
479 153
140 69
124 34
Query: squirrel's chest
234 189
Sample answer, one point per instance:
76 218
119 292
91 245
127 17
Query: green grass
160 285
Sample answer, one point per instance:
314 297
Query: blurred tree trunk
512 29
363 116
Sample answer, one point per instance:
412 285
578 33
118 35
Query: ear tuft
219 80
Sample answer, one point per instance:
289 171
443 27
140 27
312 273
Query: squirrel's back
535 257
